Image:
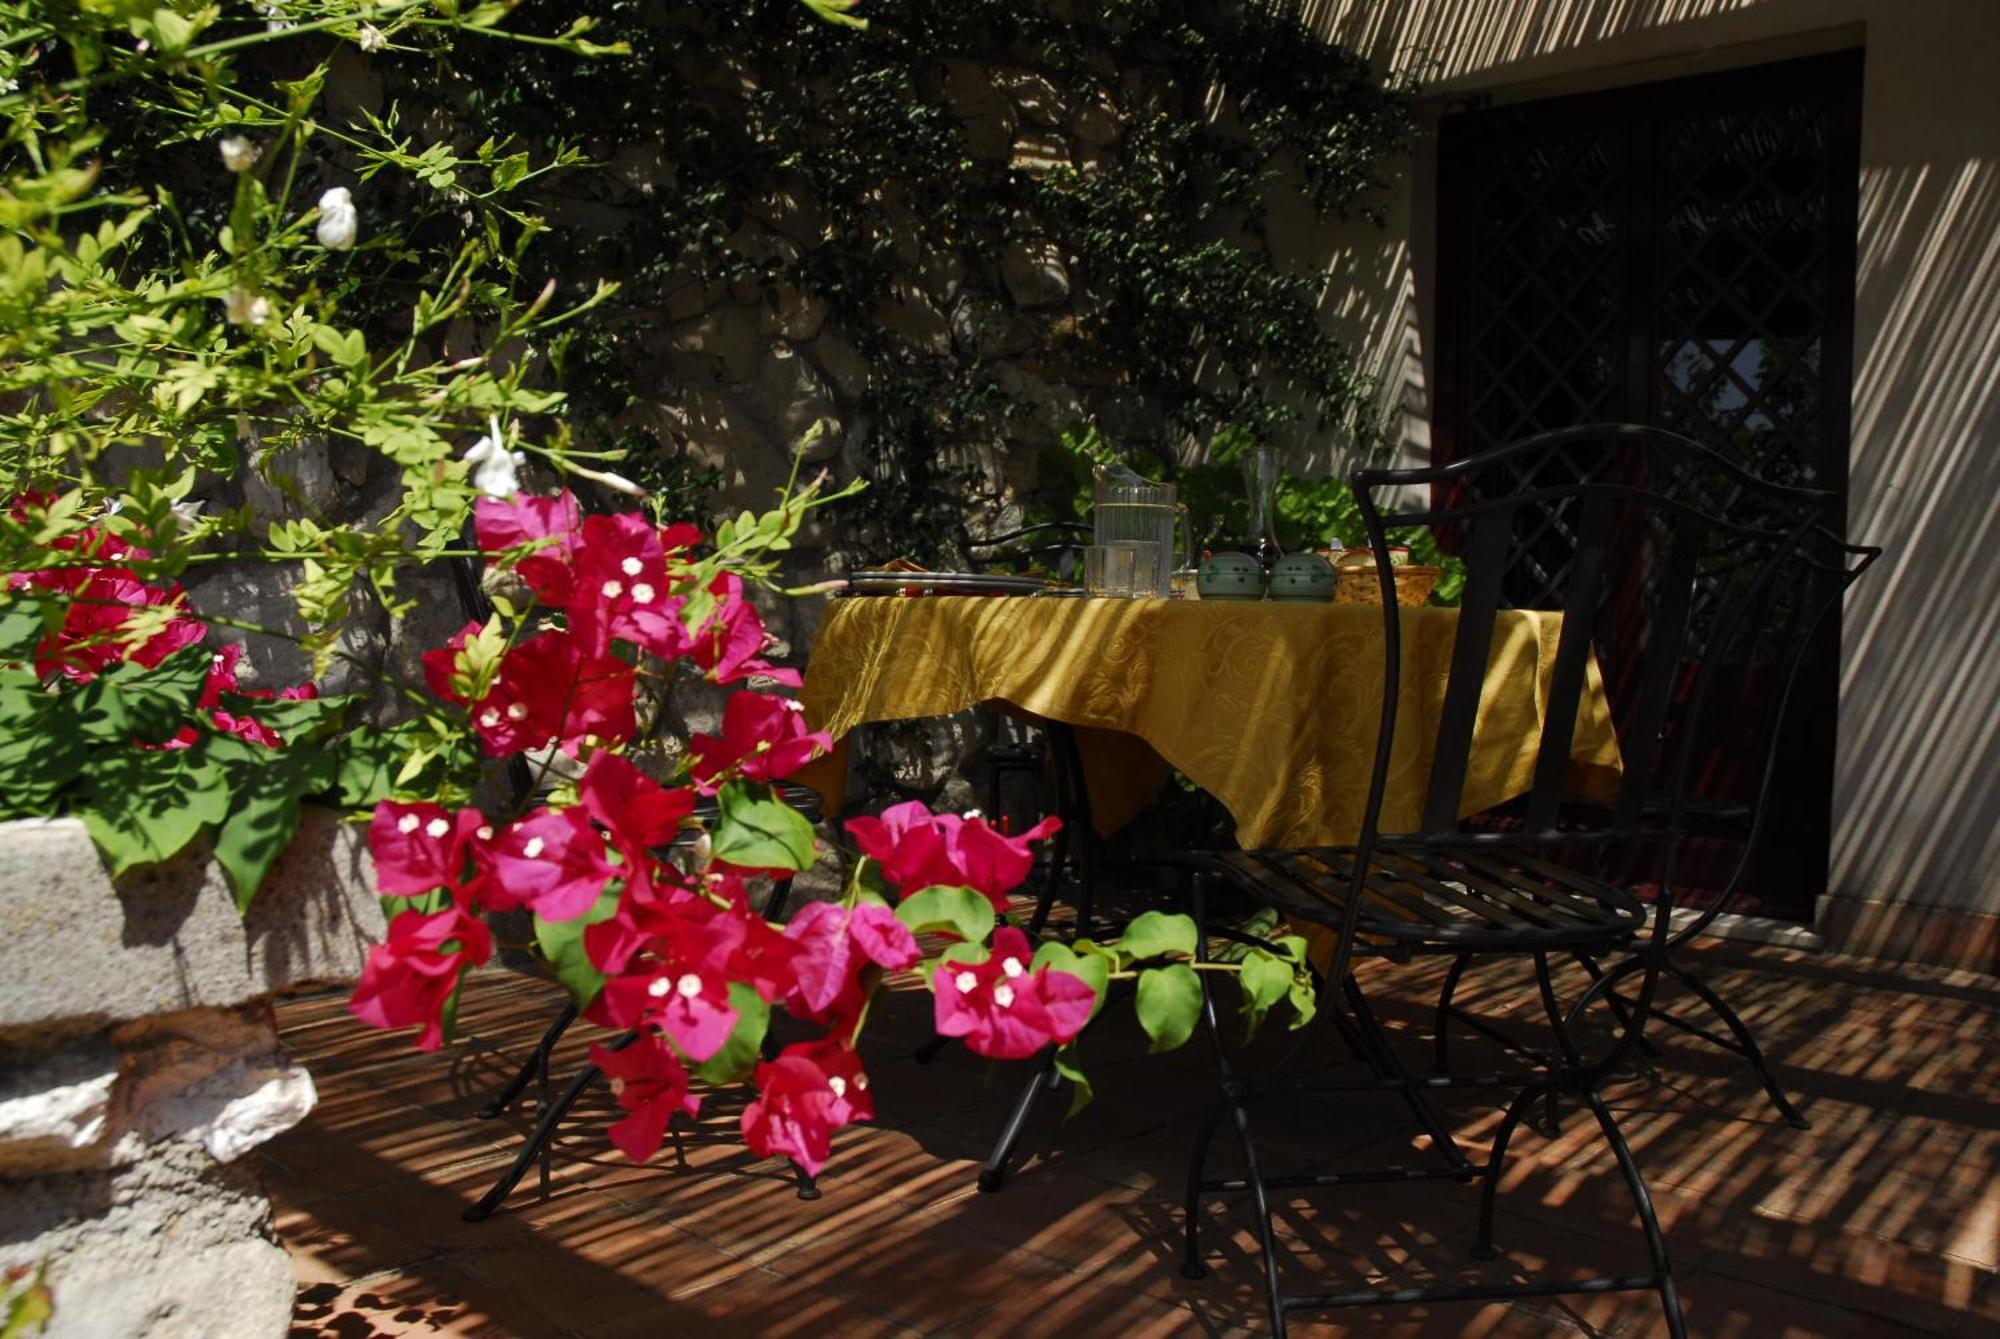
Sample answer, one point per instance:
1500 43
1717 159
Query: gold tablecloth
1270 707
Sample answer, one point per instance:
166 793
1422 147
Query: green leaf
1087 962
267 785
1304 999
1157 934
562 944
964 912
757 830
1266 979
21 627
738 1055
296 720
144 807
1081 1093
1169 1004
131 702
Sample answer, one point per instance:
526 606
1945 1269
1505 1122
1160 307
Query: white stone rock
71 1114
267 1111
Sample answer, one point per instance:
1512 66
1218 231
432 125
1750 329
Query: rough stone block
83 949
1034 274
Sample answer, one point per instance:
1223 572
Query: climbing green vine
883 174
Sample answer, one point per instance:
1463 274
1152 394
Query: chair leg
1261 1202
1656 1242
537 1064
1191 1265
1496 1162
1382 1058
1551 1126
993 1175
1746 1040
1440 1045
1611 997
538 1140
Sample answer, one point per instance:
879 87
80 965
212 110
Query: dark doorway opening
1679 254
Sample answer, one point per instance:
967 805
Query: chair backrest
1057 545
1812 586
1624 530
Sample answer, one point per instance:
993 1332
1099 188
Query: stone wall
141 1063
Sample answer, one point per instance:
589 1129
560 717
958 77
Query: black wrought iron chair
1812 587
1646 517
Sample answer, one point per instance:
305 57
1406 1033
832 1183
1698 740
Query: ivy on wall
1117 158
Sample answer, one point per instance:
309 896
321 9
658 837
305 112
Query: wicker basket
1359 585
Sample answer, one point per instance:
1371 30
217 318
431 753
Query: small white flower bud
238 153
339 221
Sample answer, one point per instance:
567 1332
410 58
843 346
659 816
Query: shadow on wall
1445 38
1917 817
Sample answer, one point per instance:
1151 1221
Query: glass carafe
1260 482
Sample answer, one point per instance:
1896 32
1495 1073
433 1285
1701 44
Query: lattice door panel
1679 254
1546 286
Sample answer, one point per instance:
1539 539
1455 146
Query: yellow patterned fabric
1272 708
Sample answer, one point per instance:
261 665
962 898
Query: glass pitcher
1128 508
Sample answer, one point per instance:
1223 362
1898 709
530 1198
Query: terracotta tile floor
1884 1220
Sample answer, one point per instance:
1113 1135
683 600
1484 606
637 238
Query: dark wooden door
1678 254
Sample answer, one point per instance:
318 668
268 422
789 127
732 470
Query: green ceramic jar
1303 577
1230 576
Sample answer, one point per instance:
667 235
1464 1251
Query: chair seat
1441 901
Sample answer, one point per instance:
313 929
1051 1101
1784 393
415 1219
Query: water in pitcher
1128 508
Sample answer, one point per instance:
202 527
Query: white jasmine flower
338 220
244 308
495 469
238 153
187 511
370 38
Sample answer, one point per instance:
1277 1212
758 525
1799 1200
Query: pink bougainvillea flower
678 977
501 524
551 862
905 841
803 1096
764 738
917 849
1003 1008
989 861
650 1082
836 943
408 978
638 811
95 632
679 538
728 644
620 579
690 1006
441 662
419 847
548 690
